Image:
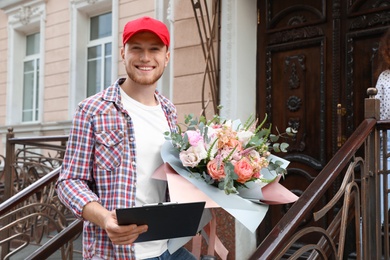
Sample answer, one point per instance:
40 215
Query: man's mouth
145 68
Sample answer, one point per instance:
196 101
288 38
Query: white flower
244 137
193 155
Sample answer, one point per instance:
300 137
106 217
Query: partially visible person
114 148
383 87
383 75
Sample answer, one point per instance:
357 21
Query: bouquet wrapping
228 165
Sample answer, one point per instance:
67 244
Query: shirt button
131 139
133 163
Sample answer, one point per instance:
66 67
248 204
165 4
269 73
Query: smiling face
145 57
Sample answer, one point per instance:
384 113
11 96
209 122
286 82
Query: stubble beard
144 80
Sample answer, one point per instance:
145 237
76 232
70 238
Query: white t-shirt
150 124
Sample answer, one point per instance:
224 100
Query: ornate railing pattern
354 209
31 211
28 159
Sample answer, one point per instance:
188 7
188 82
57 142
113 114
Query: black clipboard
165 220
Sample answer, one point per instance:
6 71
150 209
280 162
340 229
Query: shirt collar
112 94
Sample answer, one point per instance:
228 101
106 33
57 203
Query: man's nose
145 55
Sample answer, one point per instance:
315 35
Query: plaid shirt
100 165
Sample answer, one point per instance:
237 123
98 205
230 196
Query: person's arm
120 235
75 178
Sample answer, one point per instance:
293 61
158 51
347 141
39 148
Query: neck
141 93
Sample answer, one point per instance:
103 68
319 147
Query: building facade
55 53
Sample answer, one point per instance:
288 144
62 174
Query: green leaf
230 177
283 147
291 131
273 138
276 147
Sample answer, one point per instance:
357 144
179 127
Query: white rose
244 137
193 155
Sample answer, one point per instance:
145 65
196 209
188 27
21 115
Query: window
94 41
30 107
26 45
99 53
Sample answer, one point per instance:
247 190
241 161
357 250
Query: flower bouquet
229 154
227 164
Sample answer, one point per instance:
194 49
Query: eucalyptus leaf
284 146
276 147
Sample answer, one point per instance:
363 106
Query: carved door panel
313 57
365 23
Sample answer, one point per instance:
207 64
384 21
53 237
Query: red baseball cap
146 24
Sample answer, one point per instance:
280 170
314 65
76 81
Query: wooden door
315 63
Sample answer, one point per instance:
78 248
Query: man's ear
123 52
167 57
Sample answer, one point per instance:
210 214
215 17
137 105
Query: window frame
102 42
82 11
22 21
35 58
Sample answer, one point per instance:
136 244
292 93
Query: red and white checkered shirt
100 164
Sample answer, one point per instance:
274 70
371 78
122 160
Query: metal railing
355 208
27 223
30 212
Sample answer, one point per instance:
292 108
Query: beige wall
57 63
189 63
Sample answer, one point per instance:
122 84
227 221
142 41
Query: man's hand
119 235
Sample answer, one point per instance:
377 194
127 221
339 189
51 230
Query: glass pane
94 52
37 90
107 65
28 90
100 26
27 116
32 44
30 108
94 70
107 49
94 74
29 66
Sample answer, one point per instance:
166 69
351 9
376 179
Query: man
114 147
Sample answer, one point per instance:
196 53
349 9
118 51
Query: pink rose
194 137
244 170
216 170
